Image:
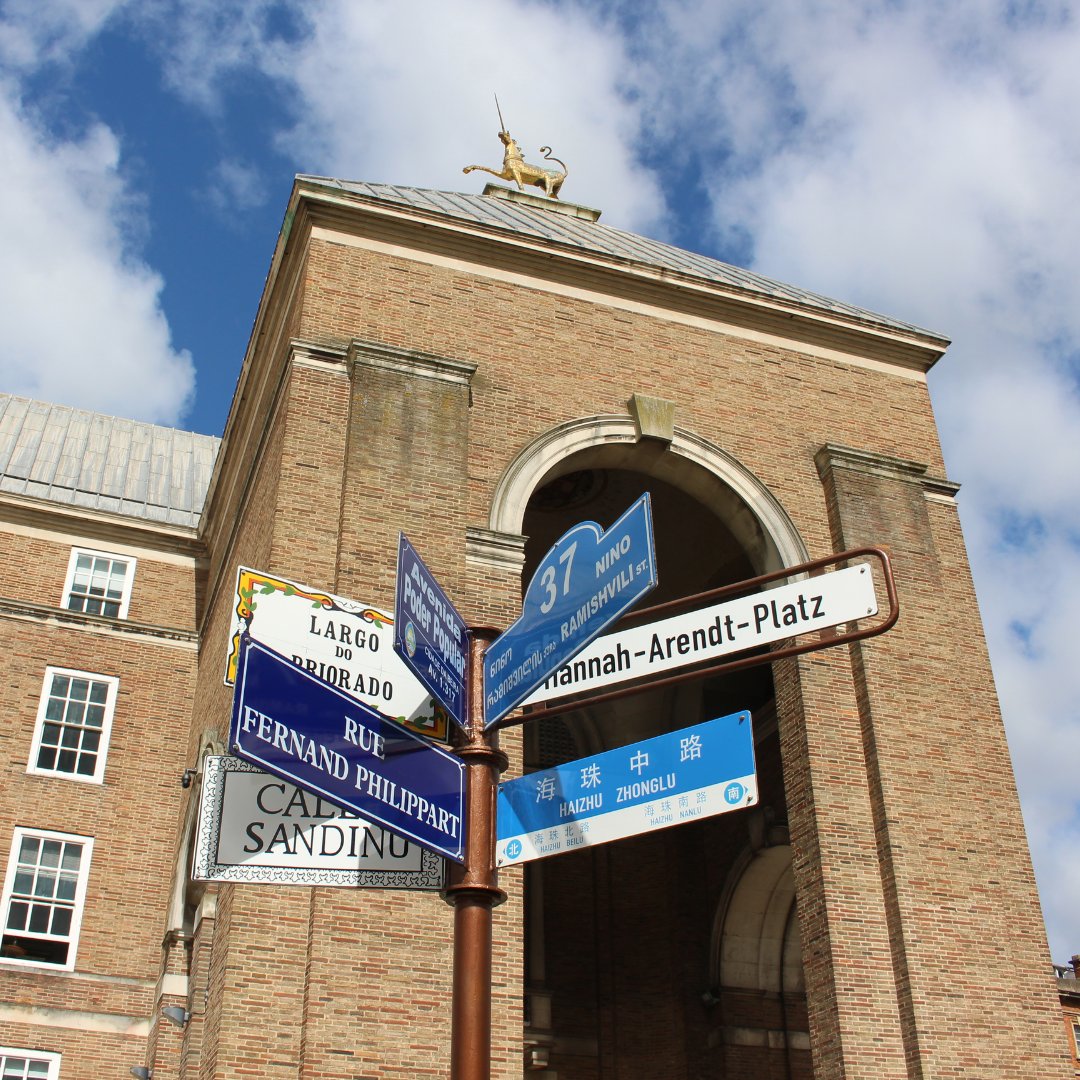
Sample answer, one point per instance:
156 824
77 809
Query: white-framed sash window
99 583
17 1064
74 721
43 897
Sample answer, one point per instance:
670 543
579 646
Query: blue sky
916 158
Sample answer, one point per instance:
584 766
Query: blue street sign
307 732
584 583
682 776
429 634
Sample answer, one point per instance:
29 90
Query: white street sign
260 829
346 643
708 633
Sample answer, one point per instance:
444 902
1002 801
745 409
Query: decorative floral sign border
250 584
205 866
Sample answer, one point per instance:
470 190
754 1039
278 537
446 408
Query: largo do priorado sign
294 725
344 642
681 776
582 585
761 618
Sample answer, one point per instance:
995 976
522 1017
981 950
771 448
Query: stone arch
585 468
755 938
720 481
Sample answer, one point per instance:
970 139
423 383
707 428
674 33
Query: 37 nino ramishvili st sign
586 581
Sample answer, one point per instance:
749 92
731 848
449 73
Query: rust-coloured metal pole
473 888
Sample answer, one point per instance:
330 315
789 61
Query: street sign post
292 724
583 584
707 633
429 634
681 776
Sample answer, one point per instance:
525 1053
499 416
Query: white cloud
236 184
36 32
83 322
404 93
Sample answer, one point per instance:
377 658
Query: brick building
1068 979
482 373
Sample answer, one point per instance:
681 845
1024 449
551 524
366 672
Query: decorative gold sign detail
517 169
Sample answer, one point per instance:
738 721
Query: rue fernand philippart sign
305 731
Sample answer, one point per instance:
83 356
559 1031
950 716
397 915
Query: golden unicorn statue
518 170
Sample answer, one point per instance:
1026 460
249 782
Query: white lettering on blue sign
683 775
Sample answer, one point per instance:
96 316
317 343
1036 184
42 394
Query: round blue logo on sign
733 793
513 849
410 639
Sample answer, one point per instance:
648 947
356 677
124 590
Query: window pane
18 1067
41 914
73 720
39 918
17 915
61 922
97 585
45 885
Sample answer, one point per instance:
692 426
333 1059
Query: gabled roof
104 463
507 216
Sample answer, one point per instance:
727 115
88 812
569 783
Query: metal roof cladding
104 463
504 215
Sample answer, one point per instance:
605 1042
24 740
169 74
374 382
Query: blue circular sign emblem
410 639
733 793
513 849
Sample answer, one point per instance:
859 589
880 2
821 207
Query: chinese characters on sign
684 775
